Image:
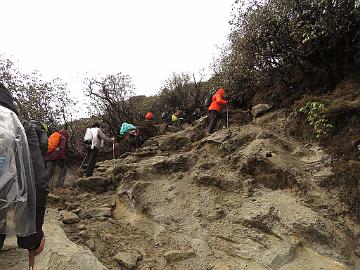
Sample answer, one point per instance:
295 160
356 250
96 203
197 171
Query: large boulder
260 109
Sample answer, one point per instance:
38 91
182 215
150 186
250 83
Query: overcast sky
145 39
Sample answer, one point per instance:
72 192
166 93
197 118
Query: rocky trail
246 197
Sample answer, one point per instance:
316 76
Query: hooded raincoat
218 101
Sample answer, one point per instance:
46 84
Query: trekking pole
227 116
113 152
32 260
82 163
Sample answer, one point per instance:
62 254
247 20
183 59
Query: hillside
253 196
247 197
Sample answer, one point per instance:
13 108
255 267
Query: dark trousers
214 117
3 215
91 157
2 239
50 168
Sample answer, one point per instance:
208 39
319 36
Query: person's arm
62 147
102 136
33 241
220 101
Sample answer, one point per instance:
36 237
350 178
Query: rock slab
128 260
59 253
177 255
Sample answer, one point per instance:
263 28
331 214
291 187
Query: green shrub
316 115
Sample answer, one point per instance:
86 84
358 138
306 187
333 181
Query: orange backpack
53 141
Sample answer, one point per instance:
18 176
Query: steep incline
247 197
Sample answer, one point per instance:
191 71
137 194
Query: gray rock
222 182
72 206
178 255
126 259
101 169
260 109
98 212
69 217
174 142
82 227
91 244
173 163
94 183
357 252
53 199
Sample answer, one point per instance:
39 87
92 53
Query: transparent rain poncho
17 186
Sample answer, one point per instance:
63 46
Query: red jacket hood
221 92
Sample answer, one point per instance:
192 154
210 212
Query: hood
221 92
6 99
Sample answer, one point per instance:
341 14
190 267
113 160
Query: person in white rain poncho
23 178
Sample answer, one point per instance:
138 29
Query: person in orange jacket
215 109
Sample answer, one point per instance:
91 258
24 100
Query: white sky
145 39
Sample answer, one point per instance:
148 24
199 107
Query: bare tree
109 96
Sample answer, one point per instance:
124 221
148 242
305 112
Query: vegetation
109 98
281 49
44 101
317 118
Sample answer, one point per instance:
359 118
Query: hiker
57 155
94 138
165 116
215 109
174 118
196 114
23 178
132 135
177 118
149 117
126 128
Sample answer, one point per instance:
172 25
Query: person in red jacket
215 109
58 157
149 117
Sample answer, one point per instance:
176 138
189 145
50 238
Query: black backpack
42 136
208 99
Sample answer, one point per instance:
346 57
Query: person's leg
92 162
50 169
2 240
213 120
63 165
2 227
